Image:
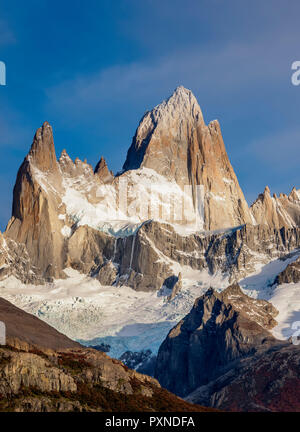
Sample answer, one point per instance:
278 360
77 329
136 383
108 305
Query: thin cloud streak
236 68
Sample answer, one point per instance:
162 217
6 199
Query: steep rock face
156 252
175 287
88 249
173 140
35 212
139 260
277 212
219 330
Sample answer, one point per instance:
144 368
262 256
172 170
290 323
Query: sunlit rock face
174 141
36 203
277 212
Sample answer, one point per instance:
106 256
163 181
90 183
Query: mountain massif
177 172
171 227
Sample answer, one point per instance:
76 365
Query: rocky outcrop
147 259
108 273
173 140
277 212
15 261
222 355
220 329
31 371
176 286
88 249
78 380
291 274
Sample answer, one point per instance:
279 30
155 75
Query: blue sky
92 68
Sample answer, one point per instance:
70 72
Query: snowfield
83 309
80 307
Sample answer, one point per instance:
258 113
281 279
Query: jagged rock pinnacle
276 211
294 195
42 153
102 171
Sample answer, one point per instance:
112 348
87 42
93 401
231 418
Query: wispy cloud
235 70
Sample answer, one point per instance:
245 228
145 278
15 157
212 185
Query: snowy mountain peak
169 122
181 106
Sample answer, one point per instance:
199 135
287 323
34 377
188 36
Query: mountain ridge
68 214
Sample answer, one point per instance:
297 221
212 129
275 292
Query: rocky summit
174 141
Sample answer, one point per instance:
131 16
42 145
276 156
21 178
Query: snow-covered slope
120 207
285 297
128 320
83 309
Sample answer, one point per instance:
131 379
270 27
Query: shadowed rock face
221 329
15 261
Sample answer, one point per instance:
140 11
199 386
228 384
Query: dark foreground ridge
34 377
